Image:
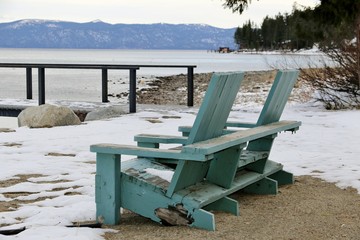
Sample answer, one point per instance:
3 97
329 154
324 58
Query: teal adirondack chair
206 169
258 150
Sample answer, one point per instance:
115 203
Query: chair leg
203 219
262 144
283 177
223 167
263 186
225 204
107 188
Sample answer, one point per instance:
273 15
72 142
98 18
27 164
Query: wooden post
358 48
41 85
29 83
107 188
190 100
132 90
104 86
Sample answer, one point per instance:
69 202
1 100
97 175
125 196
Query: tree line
334 25
297 30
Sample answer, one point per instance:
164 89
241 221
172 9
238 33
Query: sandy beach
309 209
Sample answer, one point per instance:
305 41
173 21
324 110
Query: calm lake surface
206 61
85 85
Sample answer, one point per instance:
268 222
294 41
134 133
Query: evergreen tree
248 37
237 37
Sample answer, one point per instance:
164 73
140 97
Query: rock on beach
47 116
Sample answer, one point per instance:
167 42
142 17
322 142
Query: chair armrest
240 137
119 149
185 130
153 138
240 124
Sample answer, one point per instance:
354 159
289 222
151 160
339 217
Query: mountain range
100 35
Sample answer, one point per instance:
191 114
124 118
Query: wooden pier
12 111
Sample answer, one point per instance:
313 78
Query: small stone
106 113
154 120
54 154
171 117
6 130
7 144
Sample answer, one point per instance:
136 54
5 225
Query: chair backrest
209 123
216 106
278 96
273 108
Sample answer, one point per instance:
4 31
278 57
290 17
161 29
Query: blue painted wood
199 151
205 193
236 138
203 219
148 152
208 124
187 173
206 166
263 186
278 96
240 124
251 156
107 191
216 106
142 197
272 111
154 138
224 166
283 177
225 204
273 106
218 101
148 144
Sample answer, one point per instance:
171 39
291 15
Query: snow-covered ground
59 190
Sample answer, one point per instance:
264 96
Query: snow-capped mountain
101 35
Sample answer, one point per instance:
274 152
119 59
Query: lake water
85 85
206 61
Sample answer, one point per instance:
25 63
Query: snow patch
164 174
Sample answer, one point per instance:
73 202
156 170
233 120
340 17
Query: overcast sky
209 12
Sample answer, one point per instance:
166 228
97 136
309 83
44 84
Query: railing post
41 86
132 90
29 83
190 75
104 78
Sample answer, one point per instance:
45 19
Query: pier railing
104 79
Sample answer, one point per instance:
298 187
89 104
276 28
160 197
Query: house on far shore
224 50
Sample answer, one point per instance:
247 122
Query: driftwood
12 231
54 154
88 225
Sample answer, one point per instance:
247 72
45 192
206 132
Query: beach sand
309 209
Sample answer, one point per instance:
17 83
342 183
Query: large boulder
47 116
106 113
